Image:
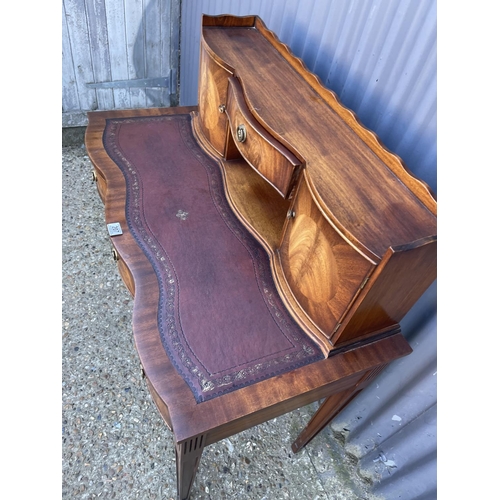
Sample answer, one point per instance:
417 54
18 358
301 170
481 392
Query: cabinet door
212 93
324 271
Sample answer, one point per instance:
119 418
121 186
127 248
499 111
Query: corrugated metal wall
379 56
130 46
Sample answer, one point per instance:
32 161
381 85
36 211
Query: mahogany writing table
271 243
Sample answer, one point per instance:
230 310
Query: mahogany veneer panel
323 270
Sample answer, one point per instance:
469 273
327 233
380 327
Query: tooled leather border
207 387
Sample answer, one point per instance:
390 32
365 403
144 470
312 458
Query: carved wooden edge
419 187
234 412
228 21
106 184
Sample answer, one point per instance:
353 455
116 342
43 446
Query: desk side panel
398 282
212 93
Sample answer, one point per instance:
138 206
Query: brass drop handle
116 257
94 176
241 133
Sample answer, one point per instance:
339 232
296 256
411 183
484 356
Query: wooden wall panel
99 50
118 41
69 89
78 60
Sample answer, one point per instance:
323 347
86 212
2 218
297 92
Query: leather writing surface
220 317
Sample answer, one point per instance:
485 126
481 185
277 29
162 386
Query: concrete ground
114 442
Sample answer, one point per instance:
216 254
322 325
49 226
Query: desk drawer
102 186
263 152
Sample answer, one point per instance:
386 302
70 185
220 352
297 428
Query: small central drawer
263 152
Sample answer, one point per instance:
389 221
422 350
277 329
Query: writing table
271 242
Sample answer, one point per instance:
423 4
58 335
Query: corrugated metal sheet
118 41
391 426
380 59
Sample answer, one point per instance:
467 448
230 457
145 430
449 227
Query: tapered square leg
188 454
330 408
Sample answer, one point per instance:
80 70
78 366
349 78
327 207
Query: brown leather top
220 317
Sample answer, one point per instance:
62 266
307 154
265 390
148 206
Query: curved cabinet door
323 271
212 93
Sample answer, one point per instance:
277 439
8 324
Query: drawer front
323 271
102 187
264 153
212 93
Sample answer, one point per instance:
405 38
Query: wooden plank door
118 54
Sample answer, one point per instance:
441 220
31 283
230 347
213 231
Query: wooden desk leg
188 455
330 408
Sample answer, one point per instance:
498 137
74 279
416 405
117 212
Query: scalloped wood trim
421 190
228 21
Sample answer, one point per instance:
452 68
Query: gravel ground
114 442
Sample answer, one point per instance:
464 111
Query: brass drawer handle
94 176
116 257
241 133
